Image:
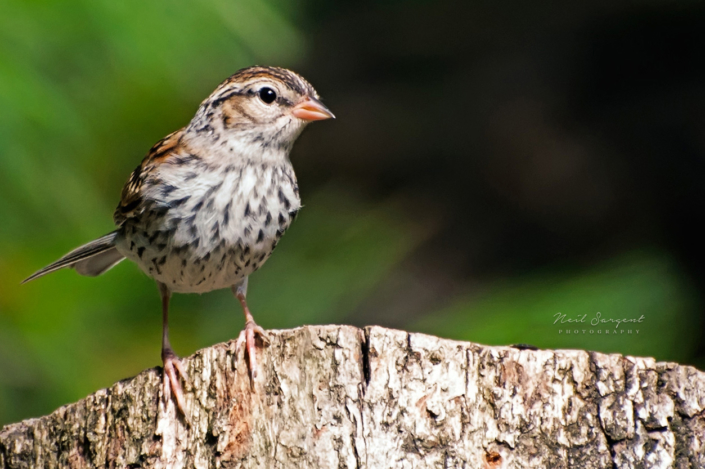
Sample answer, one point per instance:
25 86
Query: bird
209 202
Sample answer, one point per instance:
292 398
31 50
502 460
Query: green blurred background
492 164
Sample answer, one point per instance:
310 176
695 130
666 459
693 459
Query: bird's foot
170 380
247 337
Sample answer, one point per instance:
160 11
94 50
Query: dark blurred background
492 164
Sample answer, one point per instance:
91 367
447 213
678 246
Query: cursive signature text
563 318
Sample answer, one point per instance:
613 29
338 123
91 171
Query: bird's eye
267 95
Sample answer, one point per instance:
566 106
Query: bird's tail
91 259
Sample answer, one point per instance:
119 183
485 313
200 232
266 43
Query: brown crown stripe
290 79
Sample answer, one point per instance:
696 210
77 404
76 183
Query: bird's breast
207 228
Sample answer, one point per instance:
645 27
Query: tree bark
341 397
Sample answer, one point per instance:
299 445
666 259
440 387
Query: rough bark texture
341 397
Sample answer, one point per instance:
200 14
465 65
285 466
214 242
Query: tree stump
341 397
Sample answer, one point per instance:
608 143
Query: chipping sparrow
209 202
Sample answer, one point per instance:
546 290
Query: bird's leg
172 365
247 336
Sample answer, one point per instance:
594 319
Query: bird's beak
312 109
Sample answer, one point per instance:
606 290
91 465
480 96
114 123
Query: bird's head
257 111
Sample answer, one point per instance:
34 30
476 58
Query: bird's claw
170 380
247 337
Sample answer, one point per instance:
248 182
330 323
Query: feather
131 201
98 264
103 248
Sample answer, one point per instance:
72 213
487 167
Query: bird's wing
131 199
